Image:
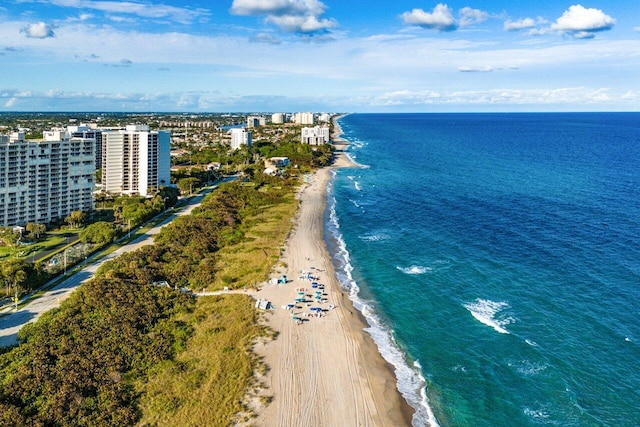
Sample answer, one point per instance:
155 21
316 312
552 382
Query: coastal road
11 323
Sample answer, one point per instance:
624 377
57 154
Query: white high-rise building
255 121
315 135
303 118
41 181
240 137
135 161
277 118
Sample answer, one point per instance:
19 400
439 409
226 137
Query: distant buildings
255 121
136 161
41 181
303 118
240 137
315 135
277 118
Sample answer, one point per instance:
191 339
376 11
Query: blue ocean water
497 258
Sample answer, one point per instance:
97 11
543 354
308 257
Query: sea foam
415 269
411 383
486 312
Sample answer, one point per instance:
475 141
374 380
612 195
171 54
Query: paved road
11 323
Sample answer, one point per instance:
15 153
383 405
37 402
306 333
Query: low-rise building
314 136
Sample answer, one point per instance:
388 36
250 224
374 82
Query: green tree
99 233
188 184
75 219
36 229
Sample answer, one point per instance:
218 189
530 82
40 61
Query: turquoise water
497 258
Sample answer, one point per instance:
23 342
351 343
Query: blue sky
312 55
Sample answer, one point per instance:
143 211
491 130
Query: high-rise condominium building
135 161
41 181
86 131
240 137
304 118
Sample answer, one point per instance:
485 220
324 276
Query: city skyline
307 55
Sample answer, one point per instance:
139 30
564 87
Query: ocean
497 260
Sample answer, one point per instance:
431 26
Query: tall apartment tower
277 118
303 118
41 181
135 161
240 137
85 131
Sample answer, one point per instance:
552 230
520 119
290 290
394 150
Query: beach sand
323 371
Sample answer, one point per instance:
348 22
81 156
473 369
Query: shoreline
328 370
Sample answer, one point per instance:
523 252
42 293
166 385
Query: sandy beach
322 371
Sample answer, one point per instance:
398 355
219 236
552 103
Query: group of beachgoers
307 297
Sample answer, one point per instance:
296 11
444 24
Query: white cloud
265 38
277 7
582 22
520 24
469 16
636 29
500 97
301 24
441 18
485 69
296 16
11 102
39 30
144 10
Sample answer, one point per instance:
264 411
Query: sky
322 56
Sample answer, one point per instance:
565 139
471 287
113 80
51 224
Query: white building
41 181
315 135
240 137
255 121
303 118
136 161
89 131
324 117
277 118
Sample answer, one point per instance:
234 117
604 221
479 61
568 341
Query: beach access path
323 371
13 321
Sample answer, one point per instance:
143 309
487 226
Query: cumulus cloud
581 22
11 102
295 16
441 18
469 16
39 30
520 24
